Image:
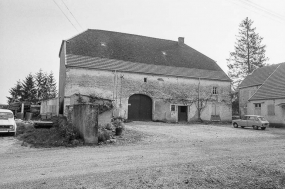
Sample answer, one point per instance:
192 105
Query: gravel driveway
169 154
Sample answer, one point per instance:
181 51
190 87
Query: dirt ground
169 156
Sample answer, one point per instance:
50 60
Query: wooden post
22 109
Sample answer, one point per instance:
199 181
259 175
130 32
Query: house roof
138 49
273 87
258 76
126 66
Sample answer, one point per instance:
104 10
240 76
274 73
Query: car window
251 118
256 119
261 118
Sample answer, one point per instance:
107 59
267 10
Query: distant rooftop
258 76
273 87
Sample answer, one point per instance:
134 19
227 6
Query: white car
7 122
254 121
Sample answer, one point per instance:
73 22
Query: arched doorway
140 108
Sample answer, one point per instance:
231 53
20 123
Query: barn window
172 108
145 79
215 90
270 110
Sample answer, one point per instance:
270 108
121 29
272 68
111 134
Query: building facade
268 98
146 78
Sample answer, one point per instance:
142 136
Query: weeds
61 134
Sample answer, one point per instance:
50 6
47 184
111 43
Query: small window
172 108
258 105
215 90
145 79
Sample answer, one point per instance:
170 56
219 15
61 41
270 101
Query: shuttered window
270 110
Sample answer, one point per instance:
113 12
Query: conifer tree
39 81
51 86
16 93
249 53
29 89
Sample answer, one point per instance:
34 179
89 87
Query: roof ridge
76 35
130 34
264 81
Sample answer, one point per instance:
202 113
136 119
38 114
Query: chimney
180 41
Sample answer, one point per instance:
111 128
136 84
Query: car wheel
263 128
255 127
235 125
242 126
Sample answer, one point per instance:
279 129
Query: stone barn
146 78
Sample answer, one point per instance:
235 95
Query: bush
24 127
103 135
109 126
118 123
61 134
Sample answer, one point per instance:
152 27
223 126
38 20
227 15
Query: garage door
140 108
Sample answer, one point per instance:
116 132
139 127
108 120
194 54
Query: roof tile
140 49
258 76
273 87
119 65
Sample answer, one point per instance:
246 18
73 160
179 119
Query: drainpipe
121 77
114 86
199 99
116 83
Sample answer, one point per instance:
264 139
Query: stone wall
164 91
244 95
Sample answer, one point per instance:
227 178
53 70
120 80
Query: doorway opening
182 114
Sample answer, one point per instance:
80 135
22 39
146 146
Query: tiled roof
258 76
273 87
139 49
119 65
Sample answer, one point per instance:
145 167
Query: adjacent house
146 78
263 93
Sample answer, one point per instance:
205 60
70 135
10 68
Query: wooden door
140 108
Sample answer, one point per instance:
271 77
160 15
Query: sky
31 31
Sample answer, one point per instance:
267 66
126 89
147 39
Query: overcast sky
31 31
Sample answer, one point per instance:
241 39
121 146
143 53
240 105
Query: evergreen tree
16 93
29 89
51 86
248 55
39 81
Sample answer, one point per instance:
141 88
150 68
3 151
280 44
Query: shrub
118 123
109 126
61 134
103 135
24 127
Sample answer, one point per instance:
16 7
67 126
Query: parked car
7 122
254 121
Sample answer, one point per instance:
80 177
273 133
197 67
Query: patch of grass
237 176
130 137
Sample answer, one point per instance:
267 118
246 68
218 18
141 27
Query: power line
274 14
258 9
72 14
65 16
